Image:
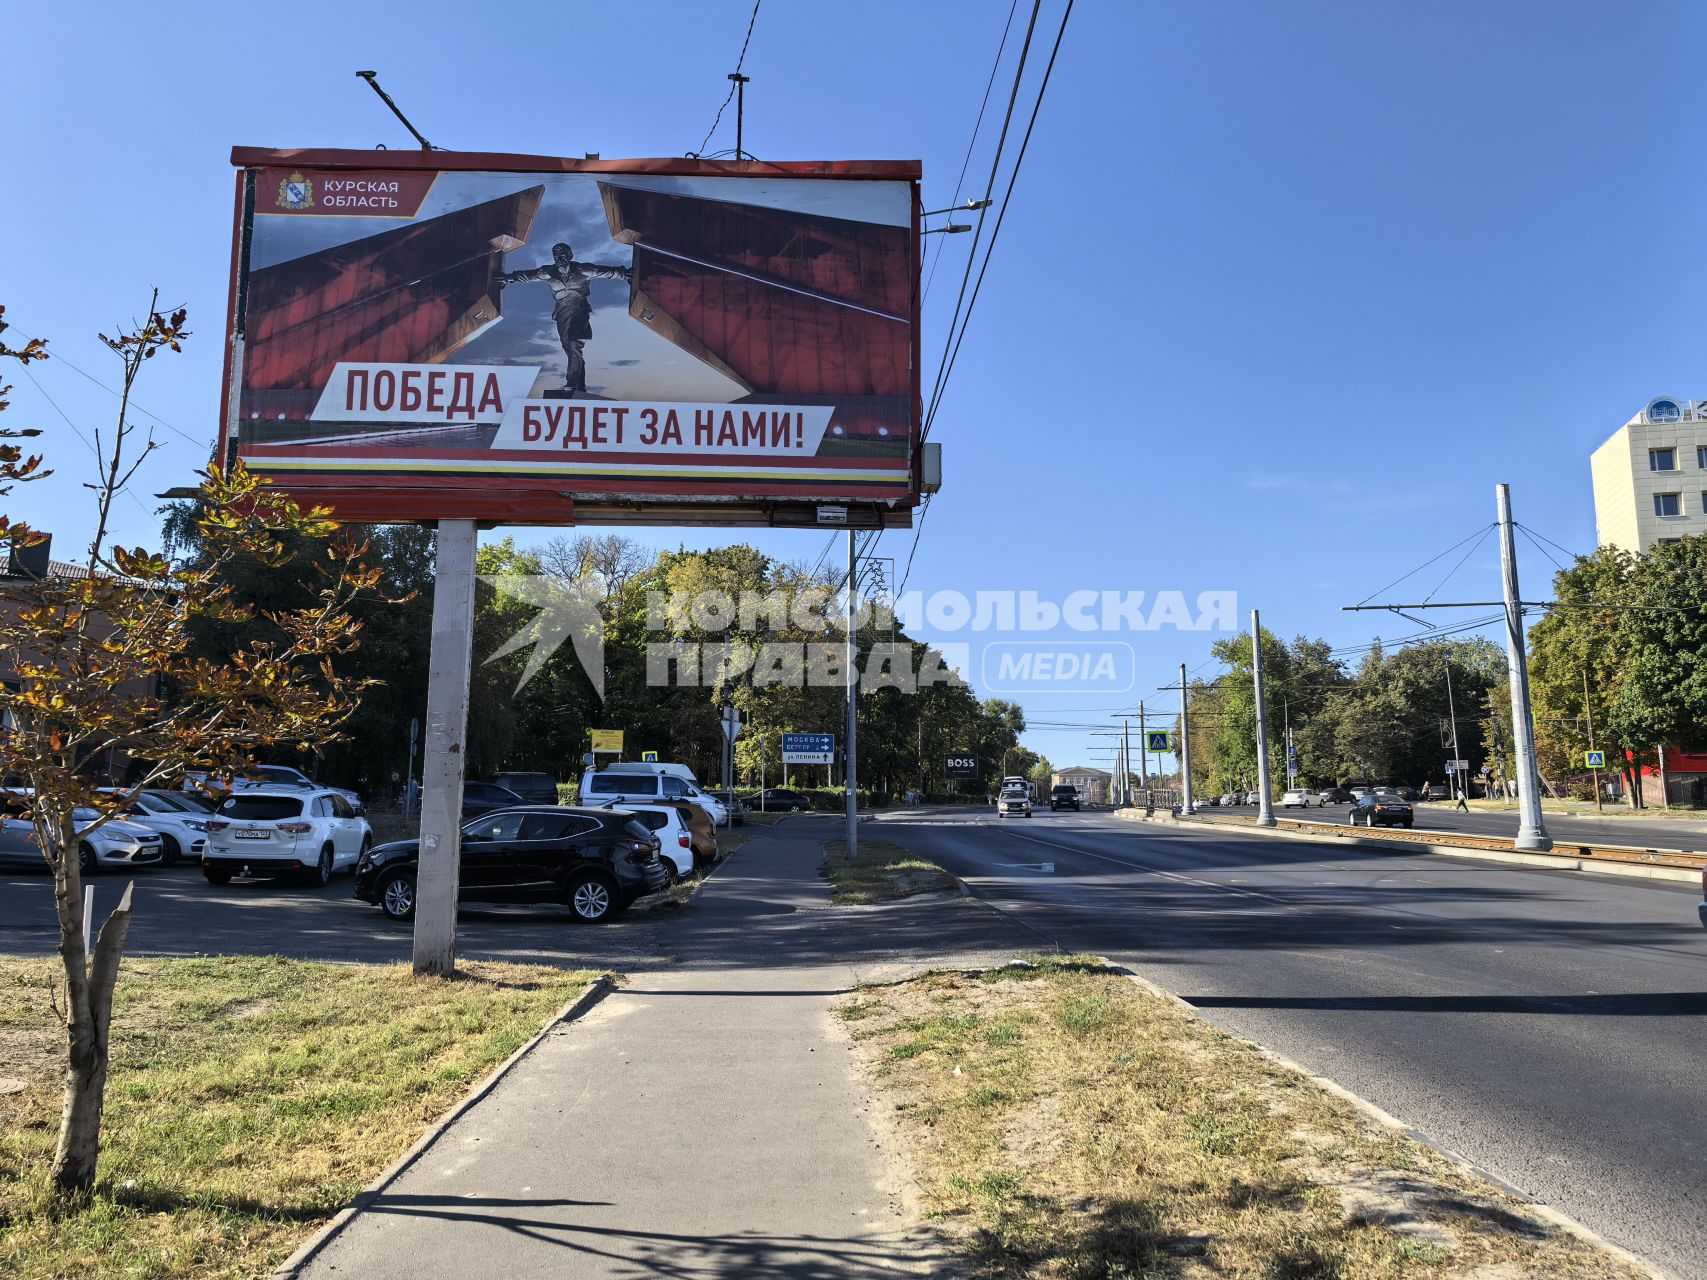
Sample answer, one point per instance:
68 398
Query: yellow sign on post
607 740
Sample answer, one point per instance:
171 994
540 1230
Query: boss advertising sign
962 766
523 339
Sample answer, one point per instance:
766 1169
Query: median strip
880 871
1063 1120
250 1099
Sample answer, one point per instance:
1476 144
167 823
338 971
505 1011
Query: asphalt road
1547 1025
1439 815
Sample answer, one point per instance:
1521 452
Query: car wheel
591 899
215 876
86 858
321 876
672 877
397 895
171 852
1405 825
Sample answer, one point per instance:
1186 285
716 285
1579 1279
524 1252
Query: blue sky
1284 290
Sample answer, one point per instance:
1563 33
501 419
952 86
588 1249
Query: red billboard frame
702 499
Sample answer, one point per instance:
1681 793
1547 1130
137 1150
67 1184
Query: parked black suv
1064 796
594 860
483 797
535 788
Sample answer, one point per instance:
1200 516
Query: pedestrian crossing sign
649 757
1159 740
1594 759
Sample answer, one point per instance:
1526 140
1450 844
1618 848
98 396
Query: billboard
523 339
962 764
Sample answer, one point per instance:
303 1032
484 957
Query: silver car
117 844
1013 801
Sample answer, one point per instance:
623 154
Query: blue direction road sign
808 748
1594 759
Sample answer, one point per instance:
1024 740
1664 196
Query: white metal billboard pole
448 666
1531 832
850 773
1265 802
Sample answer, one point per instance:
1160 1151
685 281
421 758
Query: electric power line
972 142
732 84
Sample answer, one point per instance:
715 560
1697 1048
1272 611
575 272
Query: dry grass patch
881 872
250 1098
1064 1122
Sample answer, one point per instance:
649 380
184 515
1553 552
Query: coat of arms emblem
296 192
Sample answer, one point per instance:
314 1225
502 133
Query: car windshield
166 800
260 808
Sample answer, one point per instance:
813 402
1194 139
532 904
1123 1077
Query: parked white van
643 786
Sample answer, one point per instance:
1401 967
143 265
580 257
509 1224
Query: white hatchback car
675 841
1011 801
284 831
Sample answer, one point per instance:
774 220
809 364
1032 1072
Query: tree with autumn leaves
99 666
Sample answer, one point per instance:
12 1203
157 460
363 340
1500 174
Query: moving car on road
1064 796
1297 798
595 861
1381 809
1013 800
284 831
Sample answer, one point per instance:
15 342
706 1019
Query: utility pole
1265 801
1126 763
1531 831
1455 779
1589 712
741 110
850 769
1184 753
448 666
1143 751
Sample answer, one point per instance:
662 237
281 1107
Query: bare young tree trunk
88 1016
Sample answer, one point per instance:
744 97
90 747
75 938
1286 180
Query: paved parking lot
178 913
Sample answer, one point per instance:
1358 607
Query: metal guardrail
1573 849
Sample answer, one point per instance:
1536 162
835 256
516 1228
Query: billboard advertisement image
423 335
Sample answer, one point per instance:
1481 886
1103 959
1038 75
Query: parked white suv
675 841
284 831
261 777
624 785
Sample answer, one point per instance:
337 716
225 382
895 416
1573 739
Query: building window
1668 504
1662 459
1701 456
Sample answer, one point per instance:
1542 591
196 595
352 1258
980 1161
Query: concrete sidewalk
703 1120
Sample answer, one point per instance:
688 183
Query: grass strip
250 1098
1064 1122
882 871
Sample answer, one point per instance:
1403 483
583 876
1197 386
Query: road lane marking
1157 871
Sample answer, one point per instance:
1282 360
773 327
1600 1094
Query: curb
1387 1120
1545 861
306 1252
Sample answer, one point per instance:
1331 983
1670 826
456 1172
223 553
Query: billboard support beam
850 774
448 667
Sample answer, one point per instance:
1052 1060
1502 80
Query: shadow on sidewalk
658 1253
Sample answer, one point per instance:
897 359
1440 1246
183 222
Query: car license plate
242 834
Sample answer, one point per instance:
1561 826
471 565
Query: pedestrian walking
1460 806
